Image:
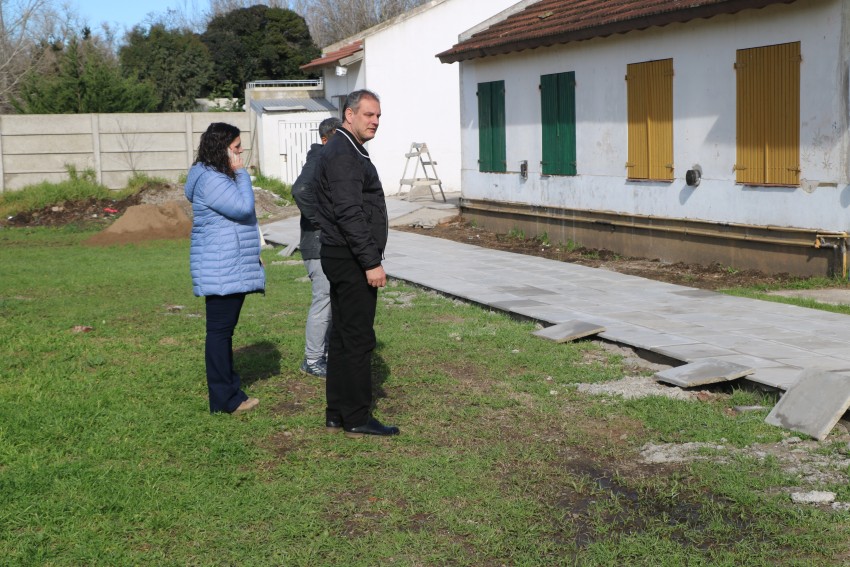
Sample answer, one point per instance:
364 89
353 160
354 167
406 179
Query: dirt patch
165 214
94 212
710 277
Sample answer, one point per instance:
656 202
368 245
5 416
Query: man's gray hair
353 99
328 126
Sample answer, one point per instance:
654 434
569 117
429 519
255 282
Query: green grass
274 185
763 292
108 455
78 187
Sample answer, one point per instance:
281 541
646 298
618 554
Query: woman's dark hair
212 151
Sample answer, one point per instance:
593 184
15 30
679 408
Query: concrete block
703 372
288 250
691 352
569 331
814 404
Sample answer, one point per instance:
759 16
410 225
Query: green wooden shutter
485 142
491 127
557 98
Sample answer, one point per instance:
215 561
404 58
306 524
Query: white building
285 117
419 100
584 123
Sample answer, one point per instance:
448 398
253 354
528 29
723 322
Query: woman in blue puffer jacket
224 258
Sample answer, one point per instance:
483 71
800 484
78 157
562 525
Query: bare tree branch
333 20
27 27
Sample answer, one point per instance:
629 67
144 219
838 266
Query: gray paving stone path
778 341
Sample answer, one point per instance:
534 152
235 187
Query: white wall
703 53
353 80
419 99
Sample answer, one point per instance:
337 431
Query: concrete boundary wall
40 147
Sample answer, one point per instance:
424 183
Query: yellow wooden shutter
650 115
768 115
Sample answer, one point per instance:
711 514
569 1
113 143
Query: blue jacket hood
192 178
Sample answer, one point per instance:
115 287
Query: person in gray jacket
317 329
224 256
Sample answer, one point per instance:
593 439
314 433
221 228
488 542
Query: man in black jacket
352 215
319 316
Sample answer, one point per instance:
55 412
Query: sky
126 13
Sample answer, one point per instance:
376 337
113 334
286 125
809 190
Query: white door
295 139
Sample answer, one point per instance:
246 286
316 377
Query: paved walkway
682 323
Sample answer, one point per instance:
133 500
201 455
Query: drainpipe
839 247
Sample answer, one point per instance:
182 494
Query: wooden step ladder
421 156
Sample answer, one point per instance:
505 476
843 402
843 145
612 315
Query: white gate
294 141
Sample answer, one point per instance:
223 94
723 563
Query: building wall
336 86
37 148
286 137
703 53
418 94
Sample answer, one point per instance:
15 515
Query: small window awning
348 54
292 104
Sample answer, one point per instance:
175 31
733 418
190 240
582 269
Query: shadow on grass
256 362
380 373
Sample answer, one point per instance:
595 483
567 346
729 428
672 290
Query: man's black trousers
352 340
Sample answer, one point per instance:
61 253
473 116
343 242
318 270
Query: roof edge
659 19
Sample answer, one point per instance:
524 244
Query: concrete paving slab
691 352
813 405
569 331
646 339
703 372
807 341
782 378
748 360
525 291
510 304
697 293
819 362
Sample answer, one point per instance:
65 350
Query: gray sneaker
319 369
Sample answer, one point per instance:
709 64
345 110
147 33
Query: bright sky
125 13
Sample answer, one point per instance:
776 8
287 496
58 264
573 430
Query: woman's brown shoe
247 405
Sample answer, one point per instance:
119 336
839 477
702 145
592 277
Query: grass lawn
108 455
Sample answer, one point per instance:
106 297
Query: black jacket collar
357 146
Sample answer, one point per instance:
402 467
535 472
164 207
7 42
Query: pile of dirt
710 277
167 221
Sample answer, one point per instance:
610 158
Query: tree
175 61
258 43
23 24
333 20
83 79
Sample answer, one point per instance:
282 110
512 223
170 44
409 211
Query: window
558 115
768 115
650 110
491 127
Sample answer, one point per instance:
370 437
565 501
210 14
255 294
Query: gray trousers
319 315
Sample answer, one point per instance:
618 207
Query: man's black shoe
333 425
371 427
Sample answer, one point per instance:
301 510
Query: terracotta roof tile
551 22
334 56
